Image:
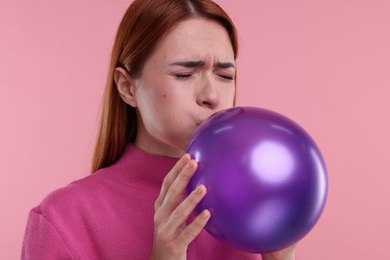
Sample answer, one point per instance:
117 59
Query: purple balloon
266 178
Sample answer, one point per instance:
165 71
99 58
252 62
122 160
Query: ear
126 86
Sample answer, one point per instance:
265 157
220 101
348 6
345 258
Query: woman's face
189 76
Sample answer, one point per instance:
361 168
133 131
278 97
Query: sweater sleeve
42 241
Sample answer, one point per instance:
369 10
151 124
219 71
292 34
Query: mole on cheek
164 95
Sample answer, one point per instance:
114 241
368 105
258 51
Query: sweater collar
138 166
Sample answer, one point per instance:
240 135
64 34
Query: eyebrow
196 64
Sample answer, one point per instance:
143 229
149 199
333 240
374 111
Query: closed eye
182 76
227 77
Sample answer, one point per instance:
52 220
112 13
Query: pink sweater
109 215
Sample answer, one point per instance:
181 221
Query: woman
172 66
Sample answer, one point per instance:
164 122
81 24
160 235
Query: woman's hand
284 254
171 234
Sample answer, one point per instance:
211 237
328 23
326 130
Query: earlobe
125 86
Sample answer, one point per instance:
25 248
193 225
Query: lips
200 121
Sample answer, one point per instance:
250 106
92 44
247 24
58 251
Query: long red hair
144 24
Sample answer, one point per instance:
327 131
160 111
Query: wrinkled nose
208 95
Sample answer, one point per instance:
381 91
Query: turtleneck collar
137 166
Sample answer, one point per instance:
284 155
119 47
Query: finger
176 190
193 229
183 211
171 176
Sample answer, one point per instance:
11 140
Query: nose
208 95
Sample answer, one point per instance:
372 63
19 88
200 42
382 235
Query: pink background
325 64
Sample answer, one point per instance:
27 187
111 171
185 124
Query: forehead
196 38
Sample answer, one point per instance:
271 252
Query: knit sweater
109 215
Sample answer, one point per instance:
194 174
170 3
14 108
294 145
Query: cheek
228 97
153 94
174 95
163 100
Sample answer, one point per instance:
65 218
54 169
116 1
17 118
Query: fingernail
189 165
199 190
205 214
186 157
